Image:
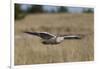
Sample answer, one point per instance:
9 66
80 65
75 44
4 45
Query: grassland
30 50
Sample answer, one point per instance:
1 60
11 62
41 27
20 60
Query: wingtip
32 33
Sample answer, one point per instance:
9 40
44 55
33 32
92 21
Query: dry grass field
30 50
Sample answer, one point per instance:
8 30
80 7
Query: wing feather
72 37
43 35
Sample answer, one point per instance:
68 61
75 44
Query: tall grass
30 50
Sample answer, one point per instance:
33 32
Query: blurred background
22 10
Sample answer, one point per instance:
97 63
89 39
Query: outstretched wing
73 36
43 35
